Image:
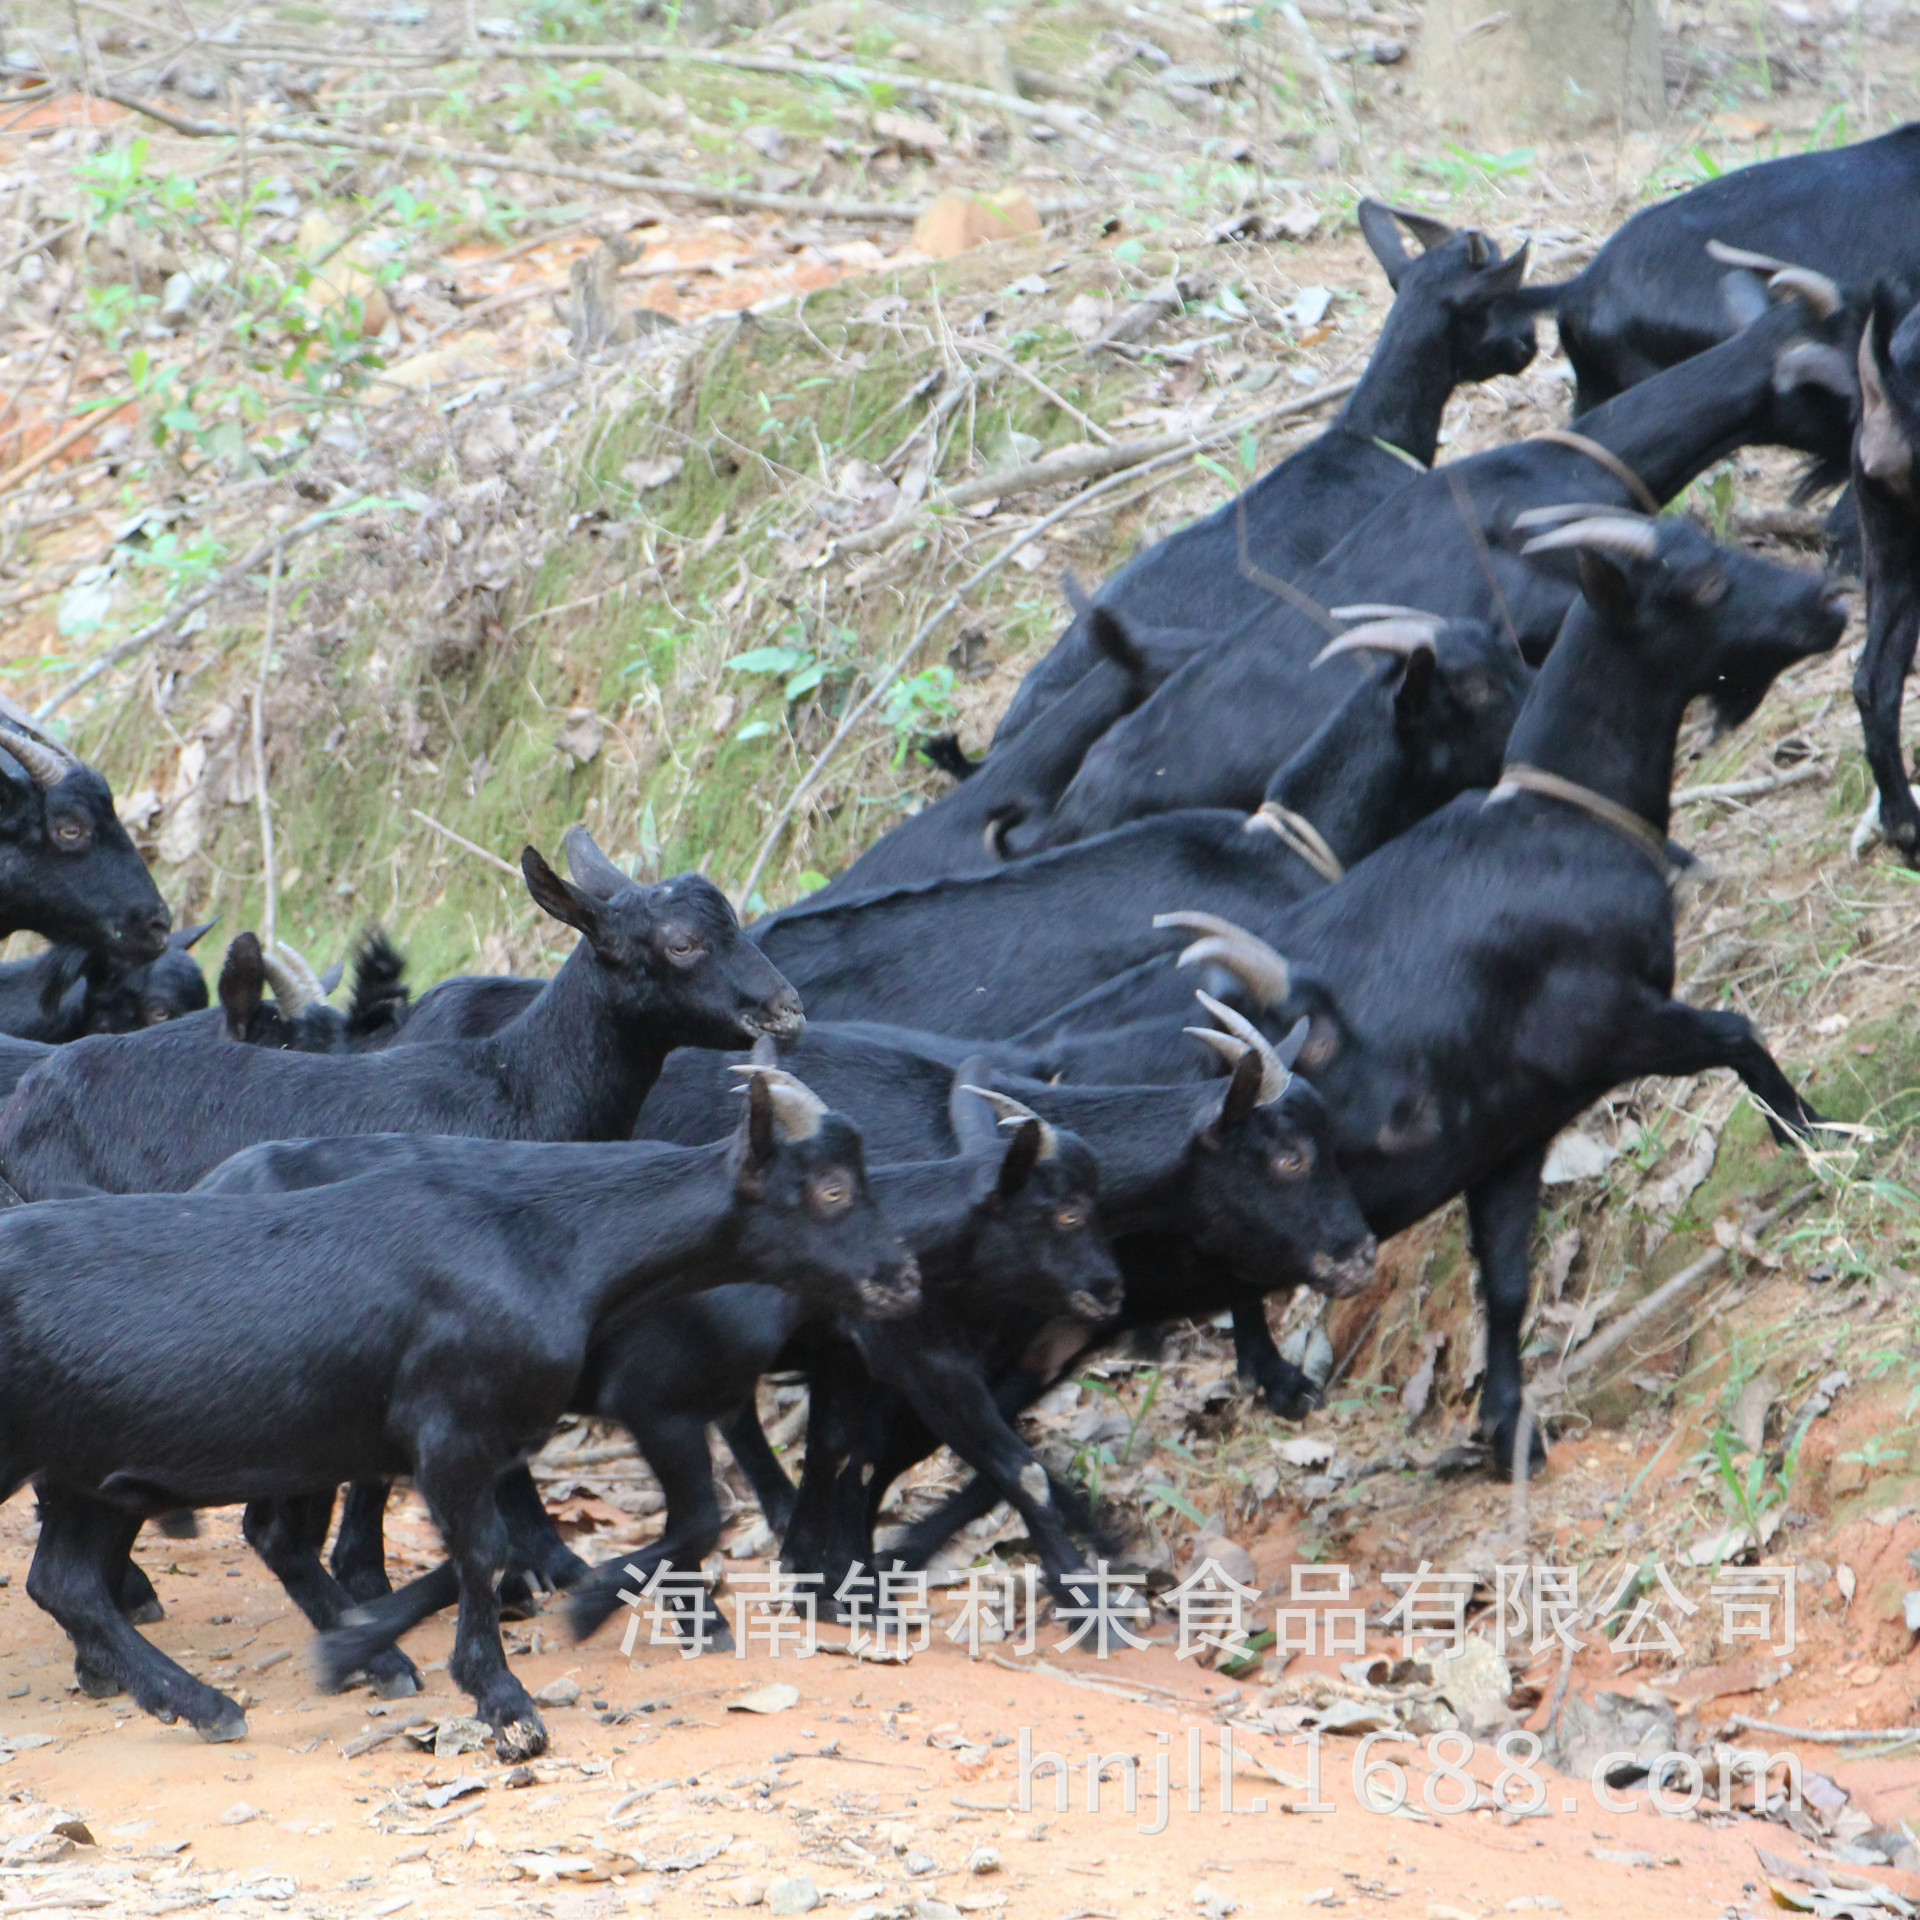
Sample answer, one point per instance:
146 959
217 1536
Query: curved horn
1263 972
295 984
1572 510
1626 539
1478 248
797 1109
1010 1113
1745 257
1813 290
1381 610
1274 1077
1402 638
45 759
1812 363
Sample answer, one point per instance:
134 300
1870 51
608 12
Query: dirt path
888 1789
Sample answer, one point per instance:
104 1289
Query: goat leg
536 1554
288 1536
1674 1038
747 1441
1501 1211
676 1450
1285 1389
360 1548
138 1601
75 1576
1891 566
836 1389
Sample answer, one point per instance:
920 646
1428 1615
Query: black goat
1651 296
431 1318
65 992
1454 319
298 1016
657 967
990 955
68 870
1886 447
966 830
1214 733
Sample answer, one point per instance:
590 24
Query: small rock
768 142
239 1814
77 1831
934 1910
1215 1904
490 441
461 1734
798 1895
775 1697
643 476
1228 1555
918 1863
984 1860
1536 1903
957 221
747 1891
558 1693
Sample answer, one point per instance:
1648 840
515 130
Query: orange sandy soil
876 1771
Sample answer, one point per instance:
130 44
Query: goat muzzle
1342 1279
892 1296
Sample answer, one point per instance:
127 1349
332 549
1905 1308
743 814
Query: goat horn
1813 363
1744 257
1230 1049
46 760
1263 972
1011 1113
1814 290
1628 539
295 984
1571 510
1381 610
797 1109
1274 1076
1402 638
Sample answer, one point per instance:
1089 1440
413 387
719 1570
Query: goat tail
943 751
381 998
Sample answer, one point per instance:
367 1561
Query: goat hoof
396 1686
95 1683
143 1613
229 1727
524 1739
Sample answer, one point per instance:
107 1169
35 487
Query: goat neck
1351 778
1671 428
1404 391
583 1056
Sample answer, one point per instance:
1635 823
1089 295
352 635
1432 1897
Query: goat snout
781 1018
1094 1307
144 931
1342 1279
892 1295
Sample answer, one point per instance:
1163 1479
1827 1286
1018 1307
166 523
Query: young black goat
1454 319
430 1318
991 955
67 868
1214 733
1886 449
657 967
65 992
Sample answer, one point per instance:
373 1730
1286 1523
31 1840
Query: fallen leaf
776 1697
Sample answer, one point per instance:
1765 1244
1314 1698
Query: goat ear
243 984
1243 1092
1411 696
1382 234
1881 447
1109 634
755 1147
1605 587
1505 276
569 905
1022 1156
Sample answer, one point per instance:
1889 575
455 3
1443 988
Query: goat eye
1291 1163
71 833
156 1016
1710 589
1070 1219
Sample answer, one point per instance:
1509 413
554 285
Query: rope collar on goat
1644 834
1299 836
1605 457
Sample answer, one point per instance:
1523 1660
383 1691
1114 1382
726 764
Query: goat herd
1319 874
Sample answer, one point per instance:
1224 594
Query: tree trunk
1535 68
